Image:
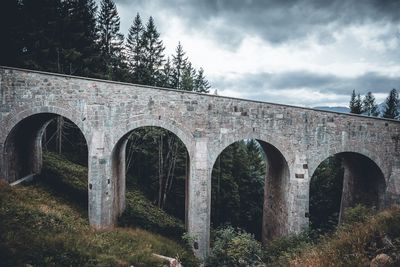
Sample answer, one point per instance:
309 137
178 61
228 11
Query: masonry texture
295 140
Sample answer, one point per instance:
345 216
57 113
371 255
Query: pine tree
355 103
153 49
392 104
326 187
370 108
79 53
252 189
110 39
11 32
159 161
167 75
41 34
352 101
188 76
201 85
179 62
238 187
134 49
225 190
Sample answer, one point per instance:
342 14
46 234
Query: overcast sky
306 52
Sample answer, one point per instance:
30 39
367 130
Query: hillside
366 239
45 224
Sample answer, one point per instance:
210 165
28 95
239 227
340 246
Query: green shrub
280 250
357 214
234 247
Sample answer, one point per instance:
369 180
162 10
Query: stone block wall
296 140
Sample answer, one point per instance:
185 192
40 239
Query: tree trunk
171 163
60 125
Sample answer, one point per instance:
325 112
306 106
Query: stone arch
318 158
363 181
275 207
30 122
119 152
15 117
224 142
179 130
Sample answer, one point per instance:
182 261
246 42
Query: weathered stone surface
296 140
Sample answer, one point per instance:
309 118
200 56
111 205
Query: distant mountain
334 109
381 108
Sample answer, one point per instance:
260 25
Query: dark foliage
355 103
64 137
157 164
325 195
369 106
391 105
234 247
238 187
74 37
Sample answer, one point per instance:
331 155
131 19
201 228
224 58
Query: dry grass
43 226
356 244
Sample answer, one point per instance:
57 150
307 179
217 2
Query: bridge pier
199 198
298 195
102 213
276 190
2 163
392 194
119 176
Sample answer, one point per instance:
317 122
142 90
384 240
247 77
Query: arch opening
255 176
343 181
64 137
23 147
150 162
42 147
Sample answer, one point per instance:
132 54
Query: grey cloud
371 81
253 85
276 20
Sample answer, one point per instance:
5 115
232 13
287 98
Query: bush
357 214
280 250
234 247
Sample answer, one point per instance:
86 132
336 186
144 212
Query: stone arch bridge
295 140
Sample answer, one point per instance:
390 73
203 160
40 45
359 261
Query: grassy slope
353 244
46 224
358 243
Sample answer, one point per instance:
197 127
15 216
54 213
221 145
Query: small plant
282 249
188 239
234 247
357 214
